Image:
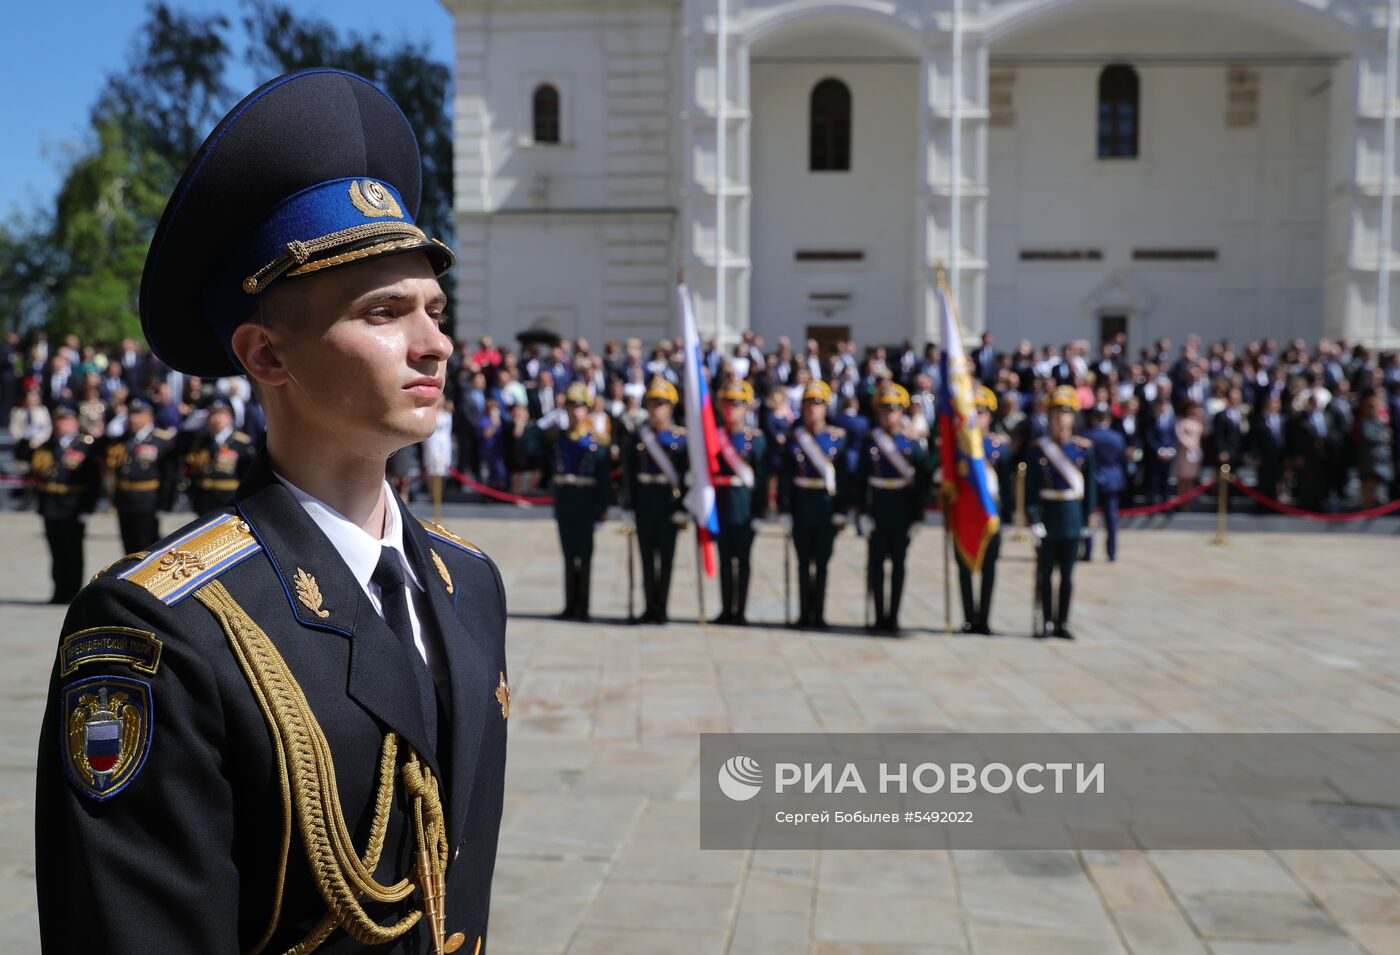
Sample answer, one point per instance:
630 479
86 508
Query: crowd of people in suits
1313 425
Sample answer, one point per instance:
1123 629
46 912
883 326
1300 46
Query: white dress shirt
360 551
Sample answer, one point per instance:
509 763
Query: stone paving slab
599 848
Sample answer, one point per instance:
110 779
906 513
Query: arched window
830 127
545 106
1119 112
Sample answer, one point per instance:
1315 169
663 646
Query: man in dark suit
985 360
1231 431
1110 478
542 395
1268 437
1310 447
1159 440
284 728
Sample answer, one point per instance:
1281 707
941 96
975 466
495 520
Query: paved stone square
599 847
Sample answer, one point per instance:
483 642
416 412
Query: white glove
839 521
865 524
679 518
755 525
1038 529
785 521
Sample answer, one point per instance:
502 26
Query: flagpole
699 577
947 586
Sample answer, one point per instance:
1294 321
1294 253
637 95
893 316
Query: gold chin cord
311 803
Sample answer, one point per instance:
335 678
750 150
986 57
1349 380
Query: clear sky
60 52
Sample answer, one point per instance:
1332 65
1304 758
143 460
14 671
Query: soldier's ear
252 346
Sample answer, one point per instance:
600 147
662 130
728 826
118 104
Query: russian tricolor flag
702 439
972 513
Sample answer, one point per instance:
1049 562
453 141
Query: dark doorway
1111 326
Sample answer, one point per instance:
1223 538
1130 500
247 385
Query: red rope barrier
1168 504
1288 509
499 495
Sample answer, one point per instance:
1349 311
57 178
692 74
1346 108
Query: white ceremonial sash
742 472
1072 475
814 451
890 450
659 454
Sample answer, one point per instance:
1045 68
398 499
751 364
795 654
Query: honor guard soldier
141 466
67 470
891 489
653 463
218 459
1059 499
996 452
284 728
813 489
581 492
741 496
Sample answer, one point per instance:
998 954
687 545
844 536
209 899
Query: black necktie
393 600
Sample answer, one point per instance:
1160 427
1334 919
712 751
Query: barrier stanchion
1223 507
1019 536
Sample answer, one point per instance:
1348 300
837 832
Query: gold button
455 940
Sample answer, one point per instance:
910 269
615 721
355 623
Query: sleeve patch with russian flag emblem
107 734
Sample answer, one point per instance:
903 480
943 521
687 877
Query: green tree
103 220
279 41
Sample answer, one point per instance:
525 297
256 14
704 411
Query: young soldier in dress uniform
653 469
741 493
141 466
69 478
581 493
284 728
218 459
813 490
977 614
891 488
1059 499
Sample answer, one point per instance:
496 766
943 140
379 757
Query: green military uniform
653 467
741 497
581 493
813 491
69 480
996 452
892 483
1060 496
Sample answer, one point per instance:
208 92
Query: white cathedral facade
1074 168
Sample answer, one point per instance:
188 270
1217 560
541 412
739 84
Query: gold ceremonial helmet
817 391
739 392
891 395
661 390
579 394
1064 398
986 399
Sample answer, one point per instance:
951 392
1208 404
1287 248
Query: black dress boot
1066 591
818 599
1047 616
741 595
726 591
585 579
570 591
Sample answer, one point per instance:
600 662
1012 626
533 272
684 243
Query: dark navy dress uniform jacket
184 857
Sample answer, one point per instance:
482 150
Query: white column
955 154
714 195
1392 33
953 167
721 162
